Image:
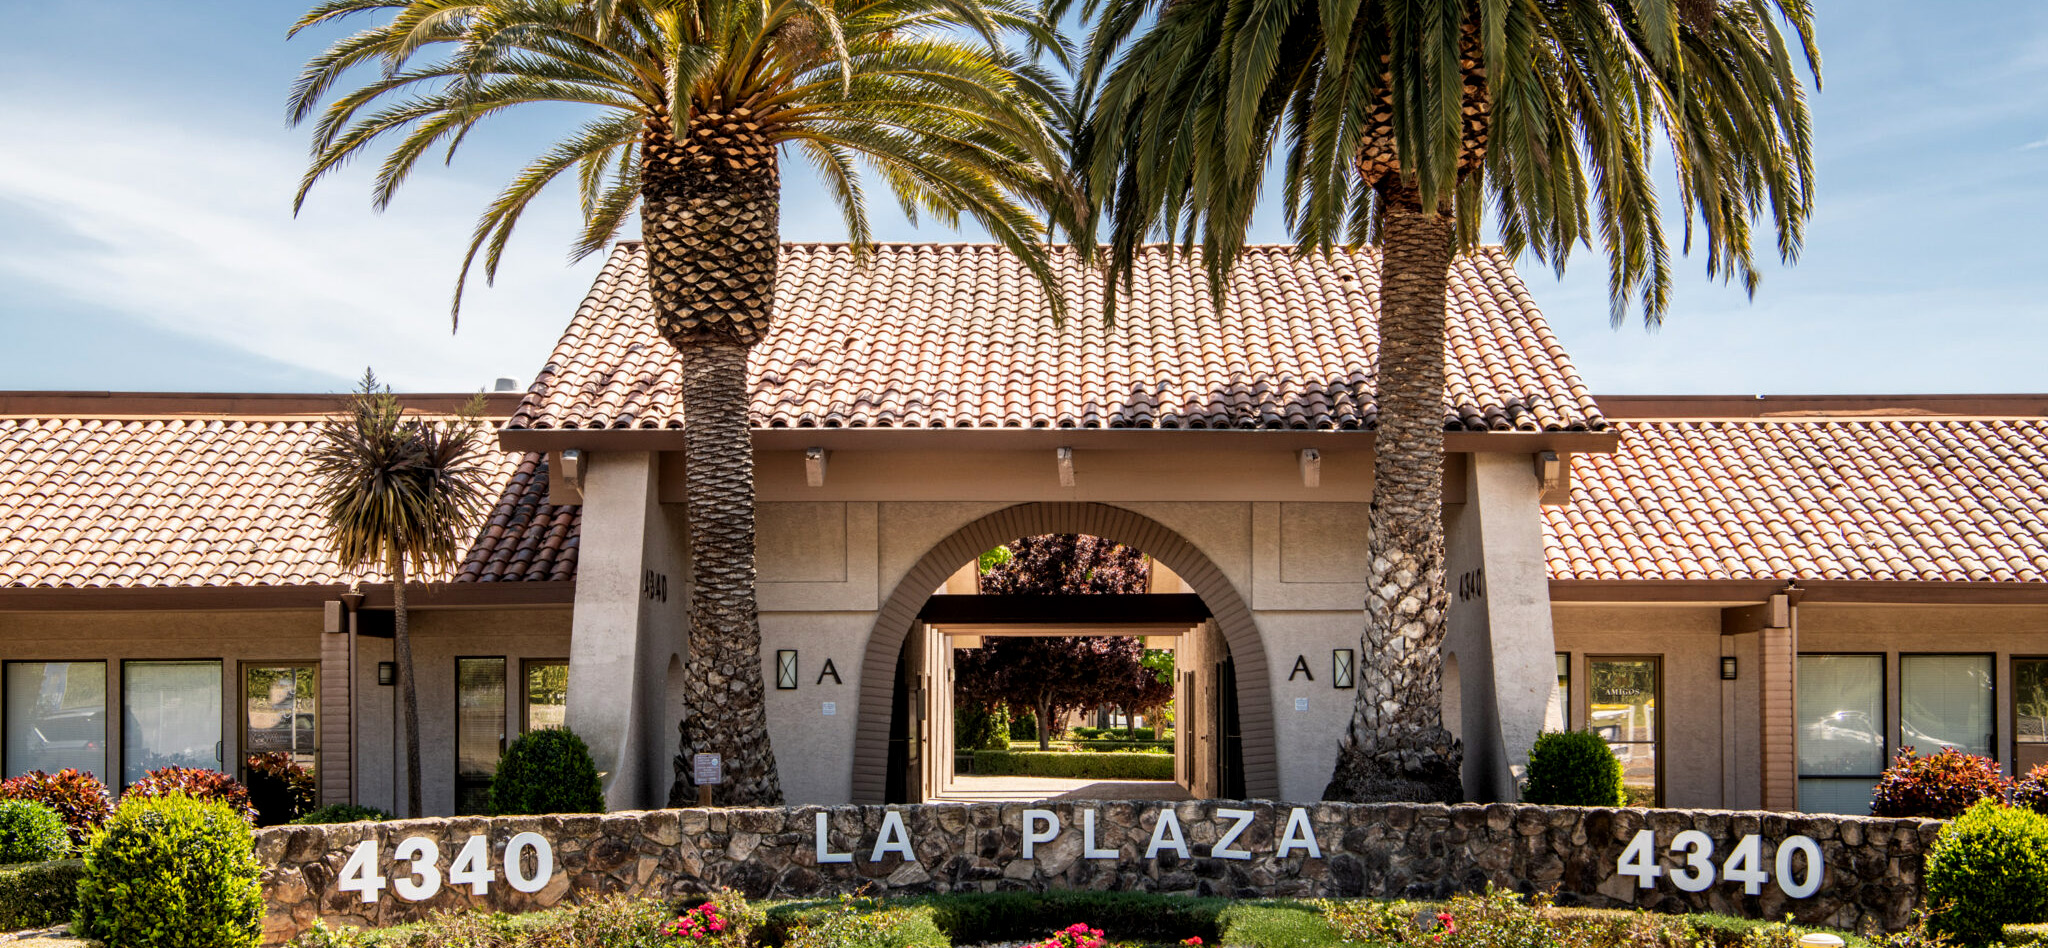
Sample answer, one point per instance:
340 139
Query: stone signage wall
1754 864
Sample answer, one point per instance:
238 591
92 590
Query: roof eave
886 439
1723 591
444 595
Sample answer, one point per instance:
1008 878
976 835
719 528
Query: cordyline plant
401 493
1408 124
690 106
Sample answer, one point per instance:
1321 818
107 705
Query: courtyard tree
1063 564
401 492
1055 676
690 106
1413 125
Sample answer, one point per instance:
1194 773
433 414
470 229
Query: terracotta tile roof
960 336
1900 499
218 501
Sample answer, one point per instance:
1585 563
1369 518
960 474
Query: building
1756 600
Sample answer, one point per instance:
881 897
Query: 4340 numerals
1745 864
471 867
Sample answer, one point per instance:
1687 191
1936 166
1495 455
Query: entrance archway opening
908 746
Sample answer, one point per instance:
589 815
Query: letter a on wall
1301 668
830 669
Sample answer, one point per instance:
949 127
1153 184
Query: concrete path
969 789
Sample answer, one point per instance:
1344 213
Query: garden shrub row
39 894
1082 765
1124 747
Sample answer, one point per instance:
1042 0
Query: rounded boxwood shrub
342 813
170 871
1573 768
80 799
1938 787
197 783
546 771
31 832
1988 869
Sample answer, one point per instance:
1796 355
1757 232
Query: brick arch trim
1233 618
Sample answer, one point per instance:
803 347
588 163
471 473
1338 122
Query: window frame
242 750
110 706
526 665
1898 727
1657 726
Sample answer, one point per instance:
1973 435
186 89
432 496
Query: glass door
278 711
1621 706
170 717
479 730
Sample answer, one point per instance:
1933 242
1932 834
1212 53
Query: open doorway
1064 666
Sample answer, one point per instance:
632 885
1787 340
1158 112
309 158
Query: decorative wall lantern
1343 668
785 669
1727 668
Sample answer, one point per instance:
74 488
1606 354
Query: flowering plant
1195 940
1076 935
1445 925
697 924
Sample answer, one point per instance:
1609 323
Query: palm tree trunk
408 690
710 202
1397 748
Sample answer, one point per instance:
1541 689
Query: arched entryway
899 613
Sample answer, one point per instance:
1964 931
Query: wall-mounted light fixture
387 673
1727 668
1343 668
785 669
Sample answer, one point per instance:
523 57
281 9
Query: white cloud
189 226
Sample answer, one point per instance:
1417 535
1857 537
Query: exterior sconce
1727 668
387 673
1343 668
785 669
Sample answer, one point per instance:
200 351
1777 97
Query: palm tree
693 103
401 492
1403 123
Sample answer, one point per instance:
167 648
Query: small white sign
710 769
831 708
1301 704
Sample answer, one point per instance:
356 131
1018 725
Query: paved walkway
968 789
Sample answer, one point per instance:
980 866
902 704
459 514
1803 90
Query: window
479 730
170 716
547 695
1622 707
2029 714
56 717
1947 701
1557 716
1841 731
278 711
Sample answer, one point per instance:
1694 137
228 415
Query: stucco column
631 593
1499 620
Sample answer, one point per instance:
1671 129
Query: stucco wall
1688 641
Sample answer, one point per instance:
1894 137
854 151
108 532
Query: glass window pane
56 717
278 702
547 694
2030 700
170 716
1841 718
479 729
1849 796
1946 701
1624 699
1557 715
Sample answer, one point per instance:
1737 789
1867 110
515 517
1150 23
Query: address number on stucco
418 873
1744 865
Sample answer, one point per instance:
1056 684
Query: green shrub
1939 787
547 771
280 788
1573 768
342 813
1123 747
861 924
80 799
39 894
1988 868
195 782
1024 727
1082 765
31 832
171 871
981 728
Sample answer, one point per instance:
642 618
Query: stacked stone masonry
1871 881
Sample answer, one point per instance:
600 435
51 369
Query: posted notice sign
710 769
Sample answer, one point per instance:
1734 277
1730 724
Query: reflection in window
1622 708
1841 731
1946 701
547 695
2029 713
278 708
479 730
56 717
170 717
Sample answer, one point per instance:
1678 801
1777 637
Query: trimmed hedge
1988 869
1124 747
31 832
39 894
1084 765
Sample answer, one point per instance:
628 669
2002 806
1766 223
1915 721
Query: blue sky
147 240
